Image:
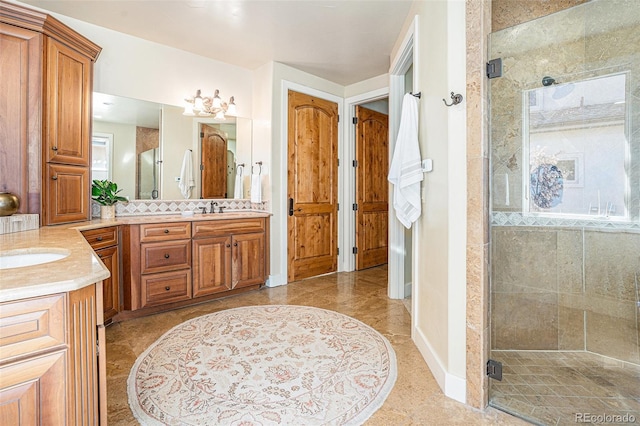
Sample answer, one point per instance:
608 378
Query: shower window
576 148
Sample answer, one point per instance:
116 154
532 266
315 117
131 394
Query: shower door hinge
494 68
494 369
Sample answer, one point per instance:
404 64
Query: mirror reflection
140 145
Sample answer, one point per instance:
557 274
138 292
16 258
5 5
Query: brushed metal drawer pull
99 238
167 288
166 256
166 231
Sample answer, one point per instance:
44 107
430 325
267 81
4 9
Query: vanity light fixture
209 105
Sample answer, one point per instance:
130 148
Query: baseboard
452 386
276 280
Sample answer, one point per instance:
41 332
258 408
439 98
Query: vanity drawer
31 325
102 237
167 287
215 228
165 231
165 256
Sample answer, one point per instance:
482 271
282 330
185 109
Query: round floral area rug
263 365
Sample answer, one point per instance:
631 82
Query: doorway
312 186
213 168
372 190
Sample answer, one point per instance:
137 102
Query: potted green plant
105 193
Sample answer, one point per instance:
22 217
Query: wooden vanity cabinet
228 254
47 79
176 264
105 242
50 369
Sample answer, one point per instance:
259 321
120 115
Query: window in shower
576 147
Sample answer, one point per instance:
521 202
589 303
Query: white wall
440 237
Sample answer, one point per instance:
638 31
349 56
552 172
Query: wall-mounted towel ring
455 98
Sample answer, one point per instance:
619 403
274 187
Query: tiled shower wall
566 289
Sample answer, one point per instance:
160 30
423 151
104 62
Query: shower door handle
290 206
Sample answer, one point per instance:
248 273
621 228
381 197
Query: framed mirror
141 146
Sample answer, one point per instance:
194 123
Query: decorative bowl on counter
9 203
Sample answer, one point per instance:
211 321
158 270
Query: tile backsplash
159 207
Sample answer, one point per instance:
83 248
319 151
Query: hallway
416 398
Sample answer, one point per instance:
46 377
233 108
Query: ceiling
344 41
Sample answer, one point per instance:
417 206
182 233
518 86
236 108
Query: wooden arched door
213 168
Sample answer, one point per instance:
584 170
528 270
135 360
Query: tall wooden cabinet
47 79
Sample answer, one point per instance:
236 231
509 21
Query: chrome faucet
213 209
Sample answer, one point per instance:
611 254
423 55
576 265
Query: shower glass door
565 216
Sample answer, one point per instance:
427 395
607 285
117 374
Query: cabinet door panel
211 265
166 287
165 256
110 286
67 196
34 392
68 81
248 259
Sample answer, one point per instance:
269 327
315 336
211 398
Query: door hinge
201 135
355 250
338 206
201 166
97 348
338 118
338 250
494 369
338 162
355 120
494 68
355 206
355 163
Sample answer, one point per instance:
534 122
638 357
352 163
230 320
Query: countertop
82 266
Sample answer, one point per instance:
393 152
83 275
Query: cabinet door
110 286
248 260
20 68
67 105
211 265
34 392
67 190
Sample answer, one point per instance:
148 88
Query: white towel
405 172
237 190
186 175
256 188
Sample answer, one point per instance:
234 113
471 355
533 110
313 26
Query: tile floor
415 399
555 388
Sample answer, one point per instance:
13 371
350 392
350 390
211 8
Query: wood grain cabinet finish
50 370
106 243
47 79
165 270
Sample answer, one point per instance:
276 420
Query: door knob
54 177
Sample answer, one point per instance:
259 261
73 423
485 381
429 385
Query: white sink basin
20 259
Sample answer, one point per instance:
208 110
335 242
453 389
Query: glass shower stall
565 215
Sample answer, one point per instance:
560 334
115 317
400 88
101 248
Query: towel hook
455 99
259 163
